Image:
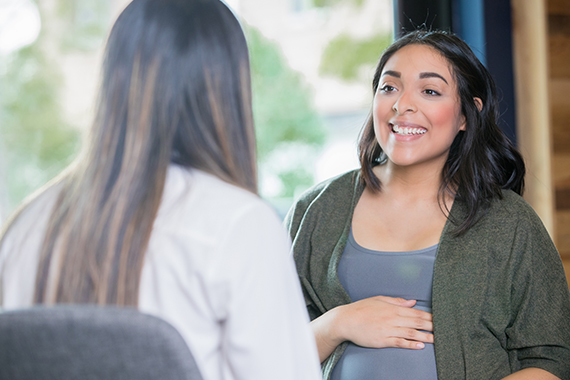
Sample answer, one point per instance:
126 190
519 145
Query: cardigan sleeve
299 234
315 223
538 334
294 216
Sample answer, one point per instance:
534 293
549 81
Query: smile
406 131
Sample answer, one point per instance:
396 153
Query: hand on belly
379 322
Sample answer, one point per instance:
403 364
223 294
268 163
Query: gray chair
83 342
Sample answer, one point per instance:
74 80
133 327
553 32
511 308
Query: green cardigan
500 298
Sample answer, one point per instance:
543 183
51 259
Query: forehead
416 59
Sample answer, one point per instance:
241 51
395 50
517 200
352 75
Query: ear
478 103
463 126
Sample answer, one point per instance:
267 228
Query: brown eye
431 92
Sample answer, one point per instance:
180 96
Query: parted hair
175 90
482 160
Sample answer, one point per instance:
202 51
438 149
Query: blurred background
312 65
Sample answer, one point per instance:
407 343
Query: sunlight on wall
20 24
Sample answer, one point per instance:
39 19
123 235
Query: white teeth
407 130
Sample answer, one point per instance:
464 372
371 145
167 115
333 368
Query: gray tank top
367 273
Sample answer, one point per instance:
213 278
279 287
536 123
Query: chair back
80 342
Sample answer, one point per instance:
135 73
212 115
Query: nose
404 103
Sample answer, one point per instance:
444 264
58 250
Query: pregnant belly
359 363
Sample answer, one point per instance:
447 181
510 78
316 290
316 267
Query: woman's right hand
374 322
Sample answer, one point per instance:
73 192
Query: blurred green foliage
283 113
36 142
330 3
86 23
35 139
345 55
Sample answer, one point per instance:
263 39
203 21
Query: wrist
337 325
327 329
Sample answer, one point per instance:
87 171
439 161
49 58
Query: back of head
175 90
182 67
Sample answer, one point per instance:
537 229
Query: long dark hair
482 161
175 90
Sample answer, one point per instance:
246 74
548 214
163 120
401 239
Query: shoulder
509 225
200 203
330 190
20 248
32 216
329 202
343 183
504 213
209 229
513 210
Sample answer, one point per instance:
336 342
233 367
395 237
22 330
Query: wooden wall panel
530 49
561 178
559 88
559 91
561 168
561 128
563 241
557 6
559 48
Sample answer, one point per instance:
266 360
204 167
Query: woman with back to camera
160 211
432 222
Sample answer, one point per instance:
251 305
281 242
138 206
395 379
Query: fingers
404 338
381 321
416 324
406 305
407 338
397 301
403 343
419 316
415 335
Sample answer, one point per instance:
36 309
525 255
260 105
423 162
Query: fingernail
420 345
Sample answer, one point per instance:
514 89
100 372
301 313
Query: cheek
381 131
381 112
448 116
382 106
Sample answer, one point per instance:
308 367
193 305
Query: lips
407 130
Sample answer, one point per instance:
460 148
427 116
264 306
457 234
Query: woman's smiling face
417 111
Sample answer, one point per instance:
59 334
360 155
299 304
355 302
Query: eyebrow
428 74
432 75
392 73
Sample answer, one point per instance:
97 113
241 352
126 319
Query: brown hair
175 90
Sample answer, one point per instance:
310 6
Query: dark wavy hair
482 161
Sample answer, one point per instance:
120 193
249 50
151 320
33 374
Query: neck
411 182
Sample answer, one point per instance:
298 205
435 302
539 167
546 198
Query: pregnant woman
426 263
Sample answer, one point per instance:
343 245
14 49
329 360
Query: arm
538 336
266 334
531 374
374 322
